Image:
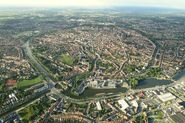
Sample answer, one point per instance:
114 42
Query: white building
93 84
166 97
123 104
98 105
134 103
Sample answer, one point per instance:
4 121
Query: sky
94 3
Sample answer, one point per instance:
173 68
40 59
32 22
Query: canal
152 82
179 75
90 92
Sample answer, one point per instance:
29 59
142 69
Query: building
123 104
12 96
1 121
182 104
98 105
10 82
99 84
134 103
93 84
166 97
178 117
110 85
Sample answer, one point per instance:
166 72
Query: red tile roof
11 82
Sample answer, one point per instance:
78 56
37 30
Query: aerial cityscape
92 65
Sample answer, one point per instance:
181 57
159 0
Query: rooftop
123 104
178 118
166 97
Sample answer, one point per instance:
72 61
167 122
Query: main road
36 64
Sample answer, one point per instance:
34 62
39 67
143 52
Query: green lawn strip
44 66
159 114
67 59
27 83
34 110
1 87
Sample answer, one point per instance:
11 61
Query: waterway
179 75
152 82
89 92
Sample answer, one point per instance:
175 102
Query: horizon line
91 7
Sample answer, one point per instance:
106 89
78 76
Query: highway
36 63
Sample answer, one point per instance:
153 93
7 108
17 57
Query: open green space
134 81
67 59
154 72
27 83
140 119
159 114
1 87
34 110
150 73
129 68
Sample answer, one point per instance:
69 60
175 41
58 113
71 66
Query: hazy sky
95 3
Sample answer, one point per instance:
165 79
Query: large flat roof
98 106
123 104
166 97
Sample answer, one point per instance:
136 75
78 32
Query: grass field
28 114
27 83
67 59
1 86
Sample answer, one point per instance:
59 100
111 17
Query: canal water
89 92
152 82
179 75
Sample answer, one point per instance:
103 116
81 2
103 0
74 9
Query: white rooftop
134 103
98 105
166 97
123 104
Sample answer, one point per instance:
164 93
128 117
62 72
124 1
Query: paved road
36 63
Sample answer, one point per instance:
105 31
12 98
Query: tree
133 82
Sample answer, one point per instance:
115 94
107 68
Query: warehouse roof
166 97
